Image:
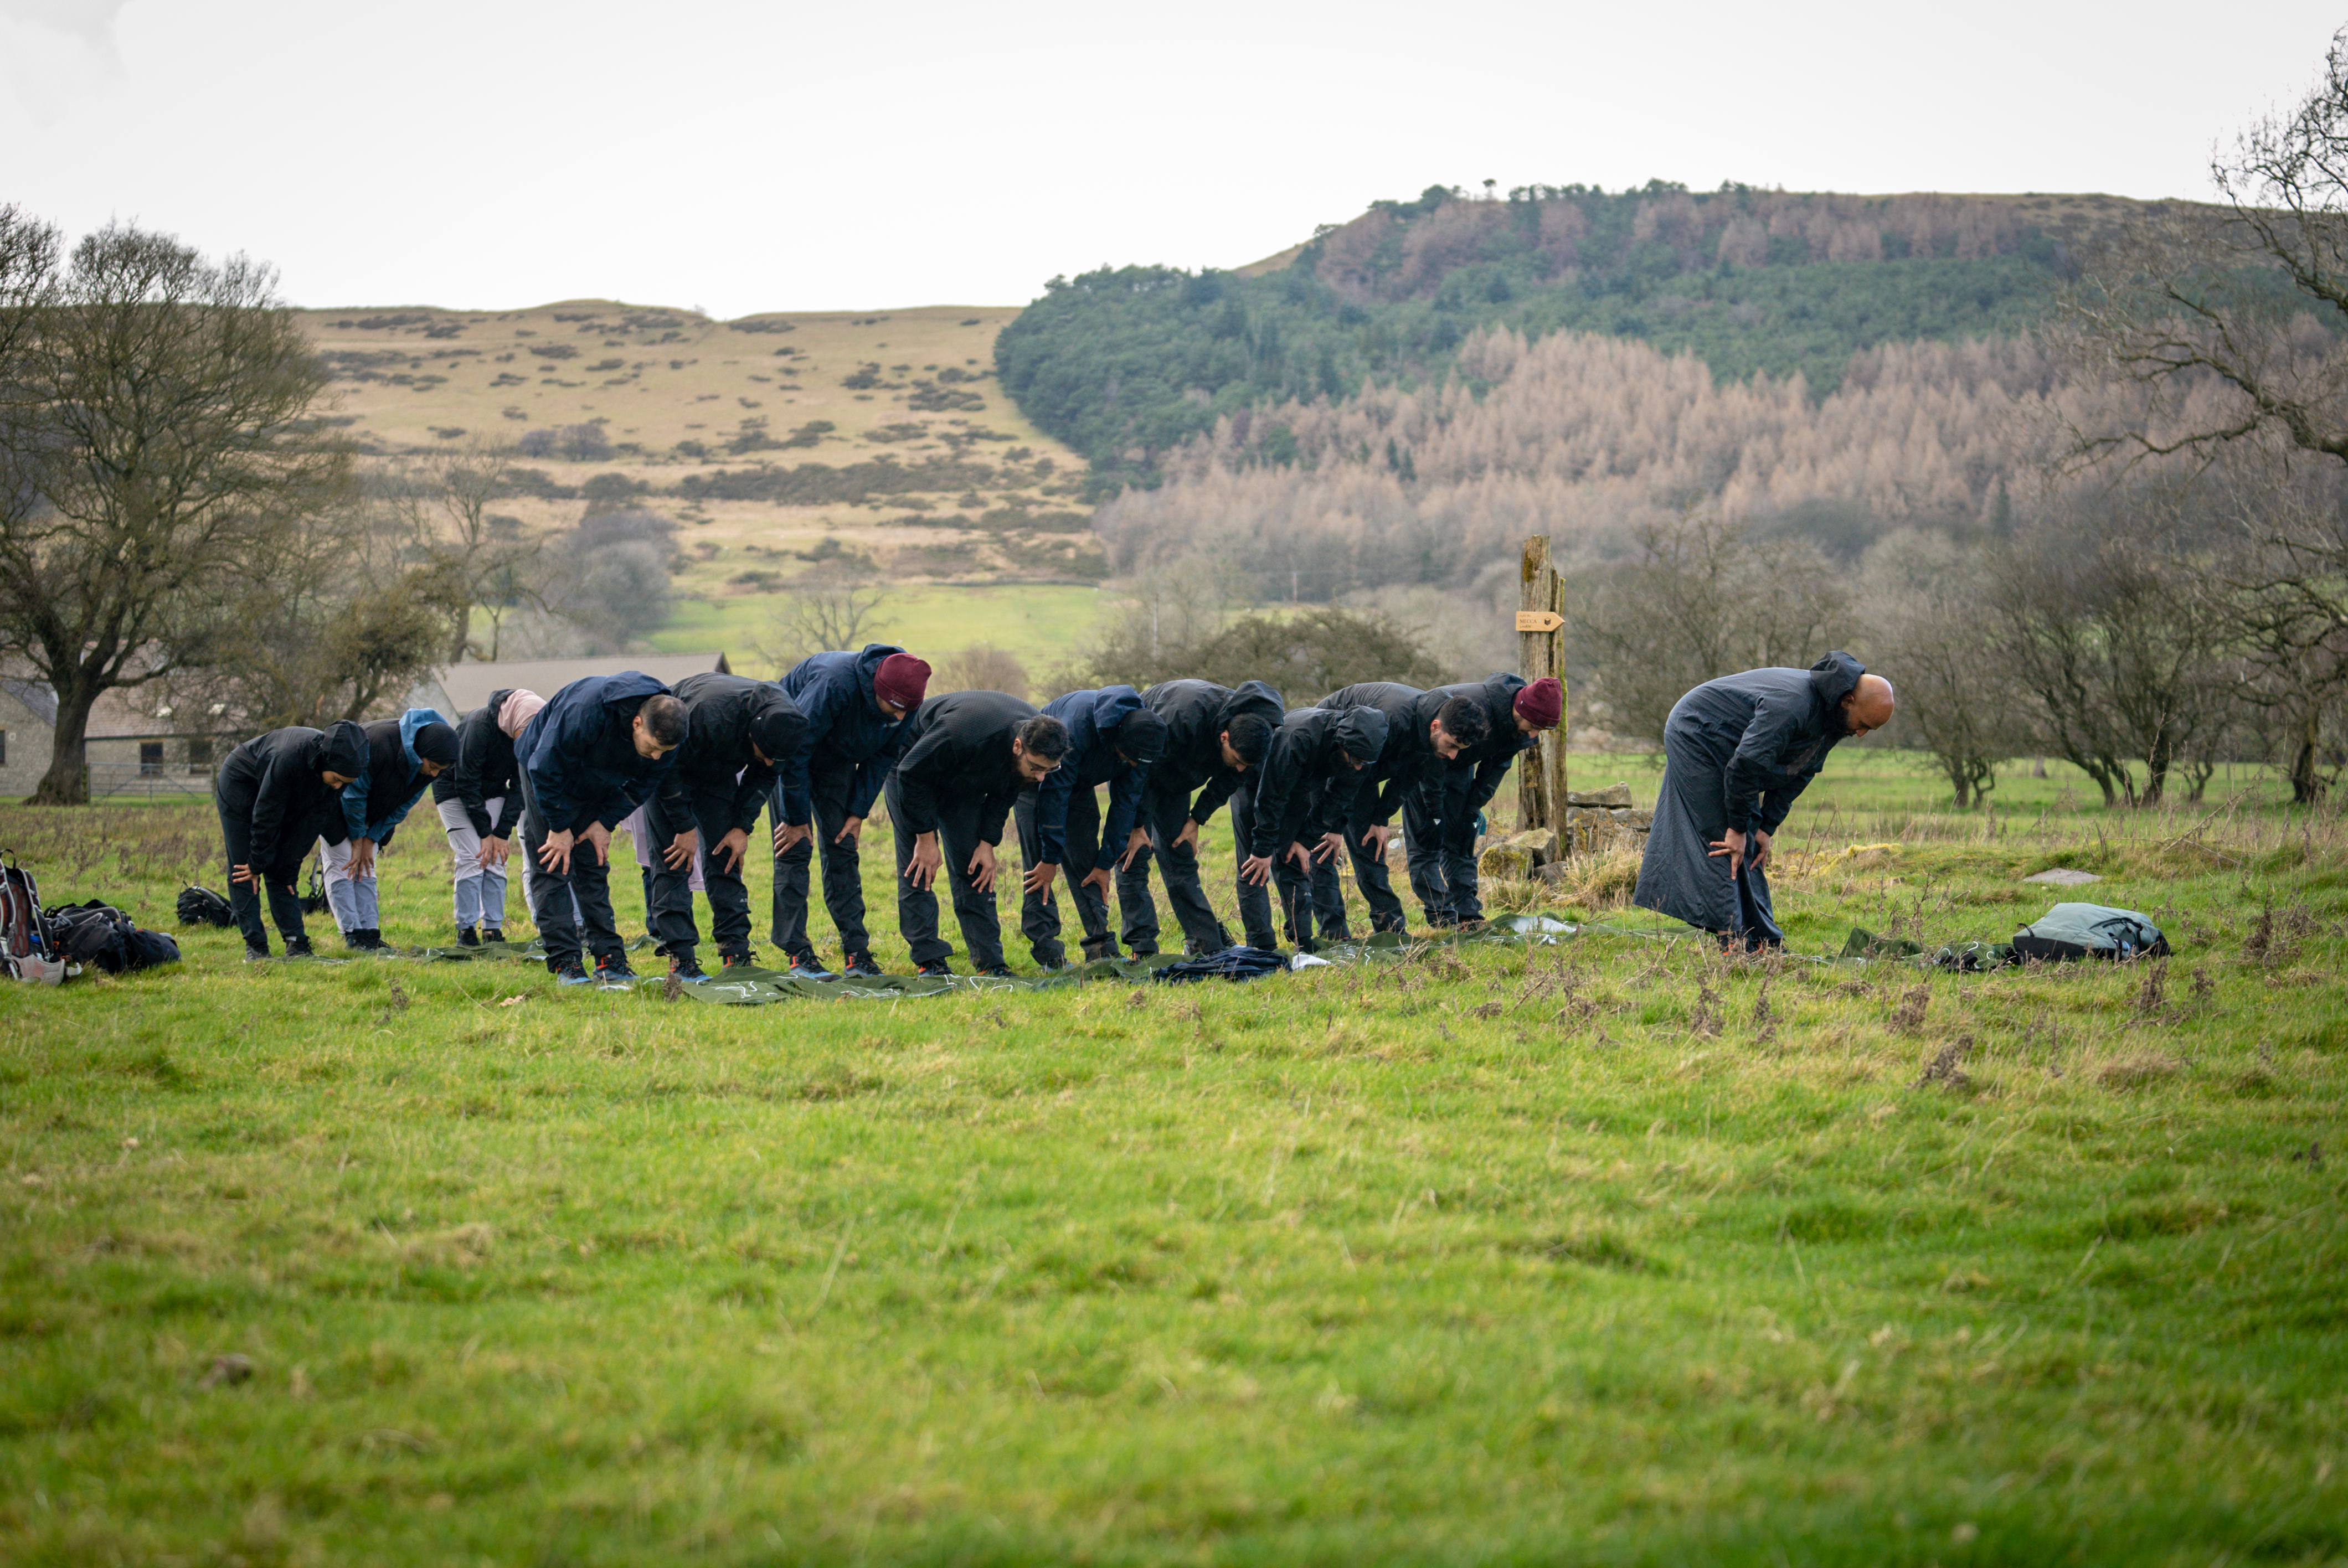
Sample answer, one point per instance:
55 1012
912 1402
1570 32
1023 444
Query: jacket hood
867 665
411 724
777 725
1363 732
342 749
629 684
1835 677
1251 697
1109 706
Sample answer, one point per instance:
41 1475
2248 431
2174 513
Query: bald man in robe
1737 752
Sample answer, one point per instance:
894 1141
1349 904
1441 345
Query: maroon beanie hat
1542 703
901 680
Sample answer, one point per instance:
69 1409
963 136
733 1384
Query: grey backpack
2071 931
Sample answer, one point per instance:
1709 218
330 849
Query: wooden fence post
1540 775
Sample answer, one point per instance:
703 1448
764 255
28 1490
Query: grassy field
1611 1251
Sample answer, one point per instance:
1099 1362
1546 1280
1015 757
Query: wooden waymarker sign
1539 620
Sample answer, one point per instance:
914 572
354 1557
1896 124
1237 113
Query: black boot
465 937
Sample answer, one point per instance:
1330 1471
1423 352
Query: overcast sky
762 156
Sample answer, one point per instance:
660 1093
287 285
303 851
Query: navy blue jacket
1092 718
1197 712
1769 733
580 751
844 723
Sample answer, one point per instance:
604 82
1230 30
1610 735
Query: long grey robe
1737 751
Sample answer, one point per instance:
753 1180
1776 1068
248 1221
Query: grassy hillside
1607 1252
884 430
1125 362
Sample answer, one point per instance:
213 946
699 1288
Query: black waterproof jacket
1197 712
716 758
581 750
1768 732
844 722
1481 768
1307 785
960 749
275 777
485 771
1409 761
1092 718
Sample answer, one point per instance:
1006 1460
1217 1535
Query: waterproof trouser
243 899
1163 815
1039 913
1442 852
669 898
352 898
1255 903
917 907
556 897
1370 874
480 890
829 779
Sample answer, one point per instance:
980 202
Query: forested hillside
1125 363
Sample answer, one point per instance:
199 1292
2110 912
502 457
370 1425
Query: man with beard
1300 803
736 732
1426 731
1113 740
1439 819
1214 735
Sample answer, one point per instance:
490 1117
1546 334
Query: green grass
1039 624
1612 1252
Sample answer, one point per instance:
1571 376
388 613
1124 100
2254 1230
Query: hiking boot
568 972
859 965
491 934
465 937
740 961
686 967
355 941
370 940
999 972
297 948
613 970
807 966
253 955
935 968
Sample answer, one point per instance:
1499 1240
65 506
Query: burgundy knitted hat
1542 703
901 680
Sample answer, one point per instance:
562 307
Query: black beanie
436 743
1141 735
344 751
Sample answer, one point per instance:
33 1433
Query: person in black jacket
1439 819
737 731
857 707
971 754
479 803
1737 752
1113 740
1214 734
592 755
1295 816
1424 732
277 794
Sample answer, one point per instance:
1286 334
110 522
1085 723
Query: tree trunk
67 781
2303 787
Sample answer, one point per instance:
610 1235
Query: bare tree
1927 619
1701 599
823 609
444 497
983 667
154 443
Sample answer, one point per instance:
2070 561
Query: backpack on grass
202 907
27 944
2072 931
96 932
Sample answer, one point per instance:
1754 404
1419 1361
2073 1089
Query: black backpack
96 932
202 907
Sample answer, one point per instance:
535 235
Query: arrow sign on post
1539 620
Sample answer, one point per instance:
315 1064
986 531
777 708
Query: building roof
456 690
